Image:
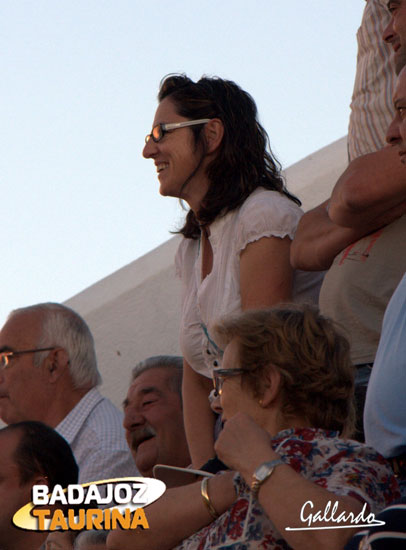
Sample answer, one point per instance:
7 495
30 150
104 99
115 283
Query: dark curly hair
244 161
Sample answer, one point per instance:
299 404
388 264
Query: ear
272 386
214 132
40 479
56 364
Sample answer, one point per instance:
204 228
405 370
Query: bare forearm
373 185
288 499
176 516
198 417
291 511
243 446
318 240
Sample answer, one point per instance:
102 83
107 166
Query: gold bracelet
206 498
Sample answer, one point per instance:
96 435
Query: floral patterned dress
343 467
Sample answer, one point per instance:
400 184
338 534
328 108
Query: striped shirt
389 536
371 106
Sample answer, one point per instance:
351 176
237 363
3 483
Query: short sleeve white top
264 214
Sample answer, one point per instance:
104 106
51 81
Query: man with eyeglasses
48 373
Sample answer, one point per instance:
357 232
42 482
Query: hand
243 445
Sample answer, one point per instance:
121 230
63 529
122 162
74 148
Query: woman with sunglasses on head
285 390
210 151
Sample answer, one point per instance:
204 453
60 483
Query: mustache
141 434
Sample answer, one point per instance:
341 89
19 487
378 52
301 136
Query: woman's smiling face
179 161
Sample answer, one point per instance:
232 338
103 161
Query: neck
274 422
196 186
195 194
292 423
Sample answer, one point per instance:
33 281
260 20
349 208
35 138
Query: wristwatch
262 473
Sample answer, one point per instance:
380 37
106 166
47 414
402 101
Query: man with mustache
153 416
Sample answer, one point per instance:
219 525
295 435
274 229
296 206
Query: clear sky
78 89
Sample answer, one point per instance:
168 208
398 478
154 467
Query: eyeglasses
219 375
5 356
160 130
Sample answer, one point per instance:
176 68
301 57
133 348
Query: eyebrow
143 392
399 102
150 389
392 2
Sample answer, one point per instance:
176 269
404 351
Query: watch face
262 471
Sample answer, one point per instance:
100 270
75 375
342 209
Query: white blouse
264 214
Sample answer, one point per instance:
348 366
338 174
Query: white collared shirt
94 430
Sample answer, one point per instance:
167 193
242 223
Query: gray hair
92 536
63 327
172 362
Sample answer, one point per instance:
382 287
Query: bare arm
198 416
179 513
243 445
318 240
265 279
265 273
371 192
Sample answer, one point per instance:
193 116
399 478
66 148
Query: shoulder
266 214
100 424
105 415
276 207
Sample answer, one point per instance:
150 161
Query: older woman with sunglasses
285 390
210 151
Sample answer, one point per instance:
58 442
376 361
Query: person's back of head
91 540
42 449
31 453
